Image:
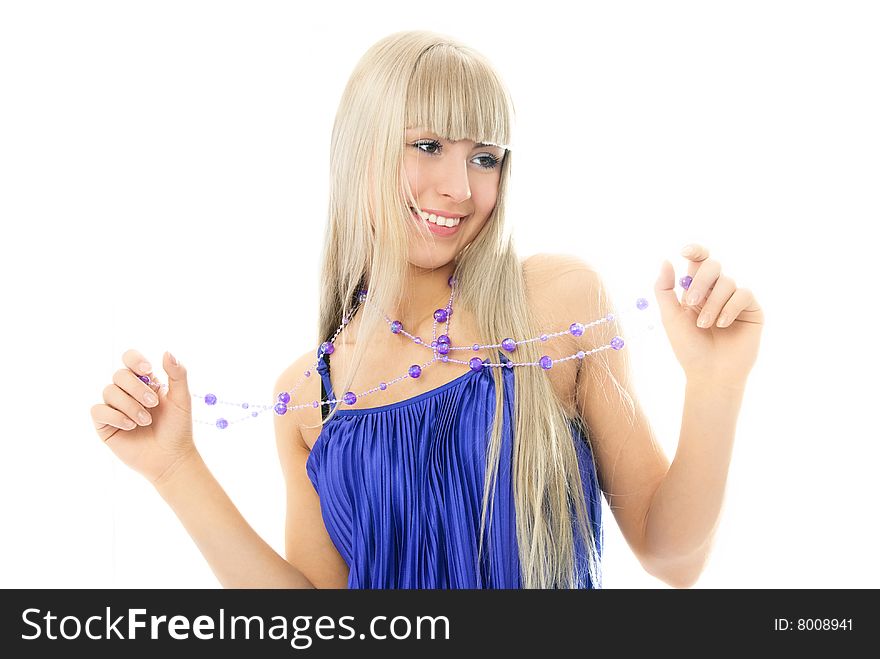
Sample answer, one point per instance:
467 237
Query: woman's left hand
725 350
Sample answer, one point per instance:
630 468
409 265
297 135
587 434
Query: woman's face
452 178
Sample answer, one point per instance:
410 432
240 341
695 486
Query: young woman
401 474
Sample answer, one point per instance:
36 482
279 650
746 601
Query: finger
120 400
178 387
135 361
106 418
664 289
702 282
141 366
135 387
735 307
721 292
695 253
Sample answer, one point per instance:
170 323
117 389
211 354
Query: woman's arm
308 544
667 513
159 445
238 556
680 526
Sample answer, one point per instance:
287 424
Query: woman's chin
431 260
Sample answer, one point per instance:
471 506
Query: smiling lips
439 220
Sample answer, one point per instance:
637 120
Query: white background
163 186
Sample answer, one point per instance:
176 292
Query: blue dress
401 487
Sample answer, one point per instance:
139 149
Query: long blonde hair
420 78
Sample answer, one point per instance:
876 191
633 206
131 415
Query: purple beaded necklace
440 346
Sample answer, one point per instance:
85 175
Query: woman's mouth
439 226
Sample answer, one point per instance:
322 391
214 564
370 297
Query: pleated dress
401 487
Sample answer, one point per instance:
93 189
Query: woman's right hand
155 445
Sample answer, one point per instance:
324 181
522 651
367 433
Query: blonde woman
405 477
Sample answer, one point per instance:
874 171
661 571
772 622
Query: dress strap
326 386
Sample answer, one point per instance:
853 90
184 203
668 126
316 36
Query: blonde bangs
455 94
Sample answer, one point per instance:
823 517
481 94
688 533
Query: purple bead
449 311
308 374
476 347
609 317
546 362
315 403
396 326
576 329
434 344
544 337
349 398
328 348
280 409
444 358
222 423
617 343
418 340
443 338
284 397
452 280
580 354
509 345
443 348
210 399
641 303
415 371
686 281
254 413
144 378
509 364
440 315
383 386
476 364
244 406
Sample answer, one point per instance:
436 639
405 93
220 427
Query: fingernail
174 359
703 320
145 367
143 417
150 399
692 297
722 322
687 249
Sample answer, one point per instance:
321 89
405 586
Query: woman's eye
430 143
488 161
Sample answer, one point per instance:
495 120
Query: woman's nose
453 180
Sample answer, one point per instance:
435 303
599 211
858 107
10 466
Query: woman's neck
424 292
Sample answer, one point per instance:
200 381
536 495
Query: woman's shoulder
305 388
563 282
561 289
548 265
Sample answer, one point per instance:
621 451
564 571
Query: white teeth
439 220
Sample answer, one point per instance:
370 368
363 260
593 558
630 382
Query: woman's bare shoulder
559 283
558 291
297 368
293 378
548 266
